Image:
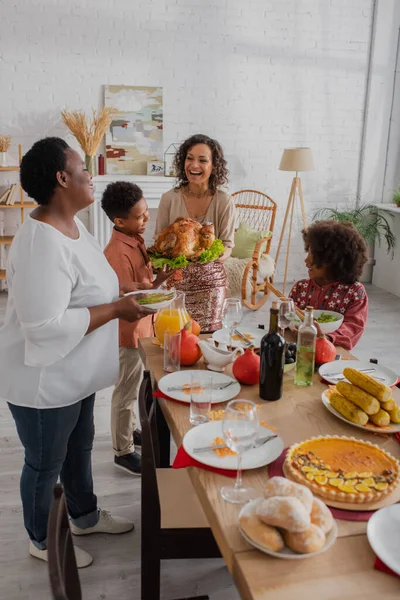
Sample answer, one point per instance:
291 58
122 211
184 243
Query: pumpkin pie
343 469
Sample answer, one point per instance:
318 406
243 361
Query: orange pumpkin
325 351
190 349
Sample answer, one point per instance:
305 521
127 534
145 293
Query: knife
243 337
257 444
339 374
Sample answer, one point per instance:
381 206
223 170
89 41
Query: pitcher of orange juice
174 317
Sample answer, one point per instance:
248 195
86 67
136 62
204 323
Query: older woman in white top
201 171
59 343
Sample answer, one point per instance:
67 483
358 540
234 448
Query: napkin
159 394
397 436
380 566
182 460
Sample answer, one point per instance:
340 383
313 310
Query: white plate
336 366
383 531
203 435
181 378
392 428
222 336
157 305
250 508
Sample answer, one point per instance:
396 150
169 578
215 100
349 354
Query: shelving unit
21 205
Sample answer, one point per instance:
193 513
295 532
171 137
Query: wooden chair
259 211
63 572
173 522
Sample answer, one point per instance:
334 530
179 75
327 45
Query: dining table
344 571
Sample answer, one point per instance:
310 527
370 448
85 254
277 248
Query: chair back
256 210
63 572
151 511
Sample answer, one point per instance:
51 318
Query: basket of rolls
288 522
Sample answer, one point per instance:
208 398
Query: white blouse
46 360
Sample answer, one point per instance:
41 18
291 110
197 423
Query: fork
221 386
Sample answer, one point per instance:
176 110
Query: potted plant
370 223
396 196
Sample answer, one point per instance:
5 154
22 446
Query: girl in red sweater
336 254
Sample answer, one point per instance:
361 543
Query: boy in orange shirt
125 206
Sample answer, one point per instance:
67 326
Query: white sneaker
106 524
83 559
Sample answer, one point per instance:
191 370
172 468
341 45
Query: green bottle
305 354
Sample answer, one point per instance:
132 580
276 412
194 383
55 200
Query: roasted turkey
185 237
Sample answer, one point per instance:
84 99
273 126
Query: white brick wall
258 75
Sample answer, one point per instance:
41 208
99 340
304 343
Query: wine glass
286 311
232 314
240 429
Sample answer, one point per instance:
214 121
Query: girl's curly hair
219 175
339 247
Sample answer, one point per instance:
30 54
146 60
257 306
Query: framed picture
155 168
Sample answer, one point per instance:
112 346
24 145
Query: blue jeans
57 442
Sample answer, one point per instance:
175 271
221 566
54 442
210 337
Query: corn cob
365 401
349 410
395 414
367 383
381 419
388 405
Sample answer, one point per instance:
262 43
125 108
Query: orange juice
170 318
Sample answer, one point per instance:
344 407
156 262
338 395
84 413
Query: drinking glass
240 430
232 314
200 397
172 351
286 312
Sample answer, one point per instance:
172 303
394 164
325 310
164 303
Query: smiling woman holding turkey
201 171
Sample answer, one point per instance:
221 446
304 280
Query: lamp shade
297 159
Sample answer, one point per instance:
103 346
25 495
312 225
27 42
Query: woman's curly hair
219 175
339 247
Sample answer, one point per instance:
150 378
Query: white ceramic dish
256 335
383 531
250 508
392 428
325 327
182 378
157 305
388 377
203 435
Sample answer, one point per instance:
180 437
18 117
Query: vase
4 159
90 162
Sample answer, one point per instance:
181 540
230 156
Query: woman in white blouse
59 343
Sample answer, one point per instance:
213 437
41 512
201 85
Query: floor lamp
293 159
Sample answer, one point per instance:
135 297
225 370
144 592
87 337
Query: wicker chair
259 211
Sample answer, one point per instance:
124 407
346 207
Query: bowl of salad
328 320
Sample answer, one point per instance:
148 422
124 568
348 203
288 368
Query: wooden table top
298 415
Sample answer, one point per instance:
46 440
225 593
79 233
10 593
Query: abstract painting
135 136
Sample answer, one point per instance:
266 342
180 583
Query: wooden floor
115 573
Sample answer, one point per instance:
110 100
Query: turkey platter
183 241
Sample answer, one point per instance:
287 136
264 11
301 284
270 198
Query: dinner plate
156 305
203 435
383 531
183 378
392 428
388 376
251 507
254 336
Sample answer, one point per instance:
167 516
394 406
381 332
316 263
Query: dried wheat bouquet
5 142
89 133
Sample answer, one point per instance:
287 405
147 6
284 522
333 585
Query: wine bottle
272 354
305 355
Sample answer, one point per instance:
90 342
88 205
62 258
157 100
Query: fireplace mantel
153 188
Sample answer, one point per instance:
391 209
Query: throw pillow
246 239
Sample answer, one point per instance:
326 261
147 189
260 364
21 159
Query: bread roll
264 535
321 515
280 486
304 542
287 513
